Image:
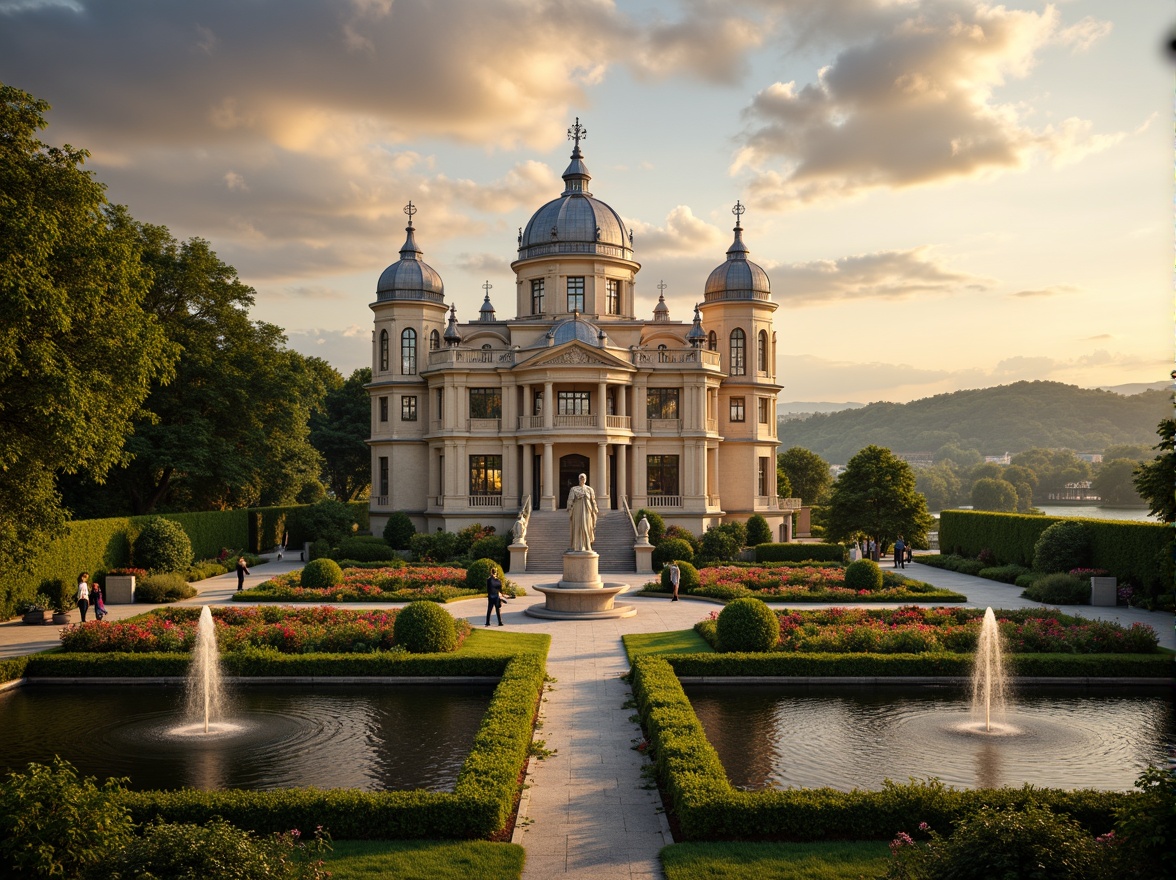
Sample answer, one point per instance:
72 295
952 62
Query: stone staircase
547 541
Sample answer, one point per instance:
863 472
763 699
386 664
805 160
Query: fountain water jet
989 688
204 709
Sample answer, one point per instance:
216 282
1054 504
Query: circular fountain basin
573 602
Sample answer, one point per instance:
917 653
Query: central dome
576 223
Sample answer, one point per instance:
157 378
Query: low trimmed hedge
707 807
801 553
479 806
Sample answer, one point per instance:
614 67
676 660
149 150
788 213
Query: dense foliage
800 553
162 545
863 574
807 473
875 497
1155 479
758 530
339 431
1062 546
425 628
670 549
399 529
746 625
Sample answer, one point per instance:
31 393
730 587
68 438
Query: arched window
383 350
738 353
434 341
763 352
712 341
408 352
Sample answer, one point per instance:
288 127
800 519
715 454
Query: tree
1155 480
783 484
807 472
78 352
339 431
875 497
940 485
1115 482
990 494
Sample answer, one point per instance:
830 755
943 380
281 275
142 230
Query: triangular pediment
576 353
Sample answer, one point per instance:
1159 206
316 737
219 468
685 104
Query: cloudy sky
945 194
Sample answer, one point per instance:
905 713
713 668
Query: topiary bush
162 545
364 549
863 575
1059 588
398 531
687 578
685 535
492 547
657 525
1063 546
758 531
425 628
479 570
670 549
747 625
322 574
718 545
161 588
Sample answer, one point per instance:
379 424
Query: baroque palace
473 422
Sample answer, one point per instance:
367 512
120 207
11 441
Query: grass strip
424 860
682 641
834 860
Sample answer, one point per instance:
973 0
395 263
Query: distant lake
1091 511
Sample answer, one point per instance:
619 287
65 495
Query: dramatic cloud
887 275
913 102
683 235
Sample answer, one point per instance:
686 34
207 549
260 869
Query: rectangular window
572 403
383 475
383 409
440 414
576 293
737 409
485 403
612 293
661 474
537 296
537 409
766 481
764 410
408 408
485 474
662 403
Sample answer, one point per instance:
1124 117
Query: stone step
547 540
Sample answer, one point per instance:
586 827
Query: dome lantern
738 277
410 277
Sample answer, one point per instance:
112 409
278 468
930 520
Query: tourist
494 597
83 594
899 553
282 546
96 601
242 570
675 579
910 557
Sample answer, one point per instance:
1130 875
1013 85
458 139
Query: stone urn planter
60 618
36 618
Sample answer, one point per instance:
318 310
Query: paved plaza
586 810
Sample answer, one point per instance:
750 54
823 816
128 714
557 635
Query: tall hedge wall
801 553
1136 552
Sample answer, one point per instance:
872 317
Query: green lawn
424 860
682 641
837 860
485 641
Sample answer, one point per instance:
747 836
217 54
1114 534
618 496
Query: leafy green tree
940 485
807 472
875 497
1115 482
78 352
990 494
1156 479
783 484
1053 467
339 431
957 455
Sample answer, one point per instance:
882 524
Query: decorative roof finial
410 209
739 210
577 133
487 287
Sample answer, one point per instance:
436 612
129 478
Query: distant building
917 459
1092 457
1077 491
999 459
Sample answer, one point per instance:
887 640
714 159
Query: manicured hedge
483 797
706 806
13 668
1135 552
801 553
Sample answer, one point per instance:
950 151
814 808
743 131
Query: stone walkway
586 812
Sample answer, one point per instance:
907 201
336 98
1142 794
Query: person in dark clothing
242 570
494 597
899 553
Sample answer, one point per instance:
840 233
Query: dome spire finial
410 209
576 133
576 177
739 210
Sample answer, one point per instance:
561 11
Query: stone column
602 481
622 475
527 406
639 476
528 474
510 479
549 499
548 405
602 405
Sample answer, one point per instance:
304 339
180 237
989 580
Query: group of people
88 595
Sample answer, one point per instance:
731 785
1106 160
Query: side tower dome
410 277
738 277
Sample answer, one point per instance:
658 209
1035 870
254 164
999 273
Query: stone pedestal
644 557
120 589
1104 591
581 594
518 558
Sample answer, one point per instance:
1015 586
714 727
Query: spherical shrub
686 535
479 570
398 531
669 549
748 625
687 577
322 574
364 549
657 525
758 530
1059 588
425 628
1063 546
162 545
863 575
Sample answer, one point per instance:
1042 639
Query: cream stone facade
470 420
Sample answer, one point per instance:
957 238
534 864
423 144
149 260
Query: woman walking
242 570
83 594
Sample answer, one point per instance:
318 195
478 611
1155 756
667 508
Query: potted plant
37 611
61 598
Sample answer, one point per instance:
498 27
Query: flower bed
285 630
915 630
806 583
433 583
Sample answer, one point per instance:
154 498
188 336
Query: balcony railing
663 501
530 422
675 358
576 421
791 504
483 426
380 500
622 422
485 500
470 357
665 426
